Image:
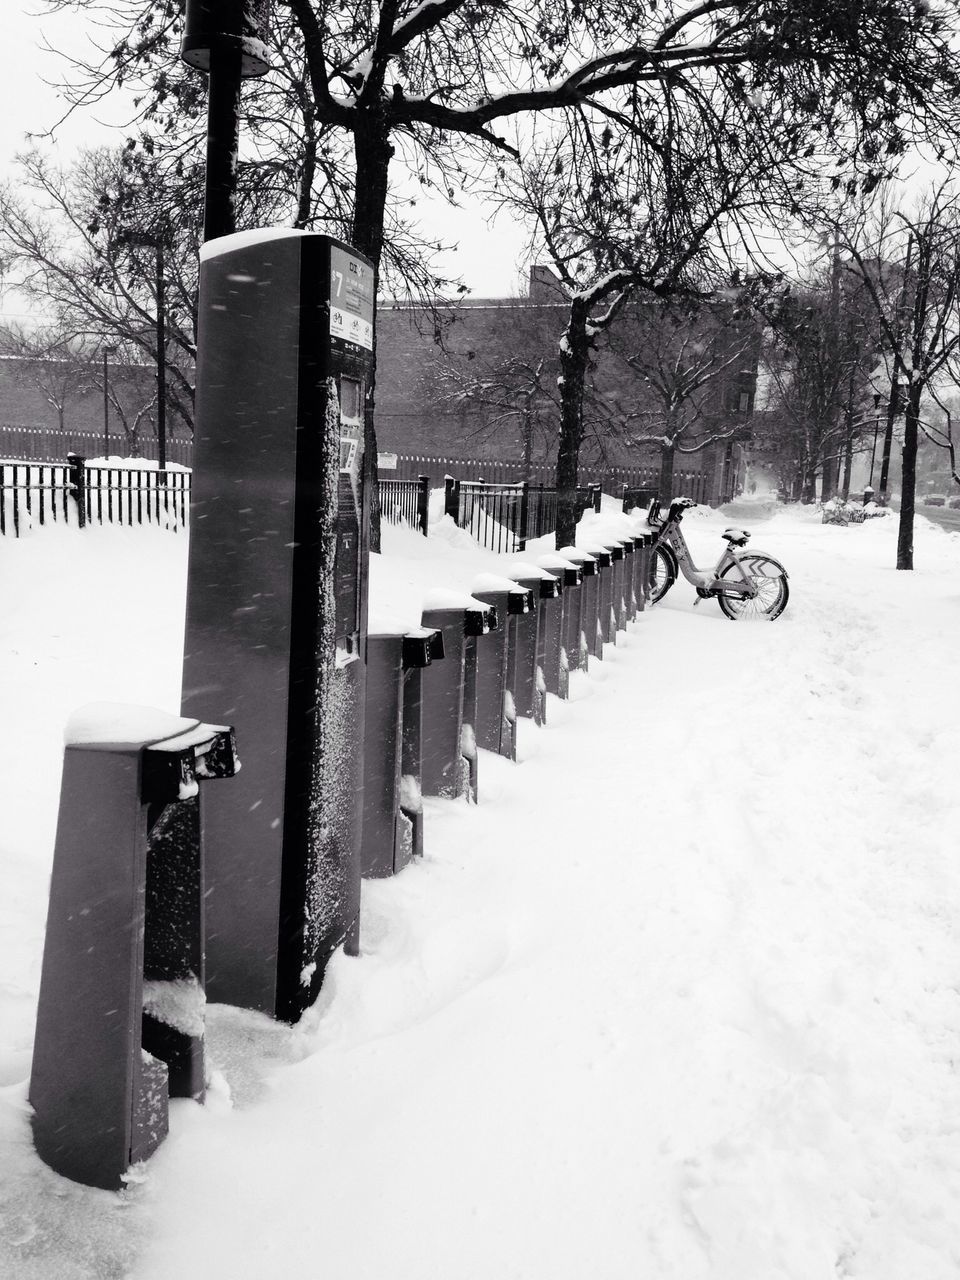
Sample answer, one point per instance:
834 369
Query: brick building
51 407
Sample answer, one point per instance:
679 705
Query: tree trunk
908 486
373 153
574 354
667 455
828 479
526 431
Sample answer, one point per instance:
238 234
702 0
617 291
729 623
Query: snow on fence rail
39 493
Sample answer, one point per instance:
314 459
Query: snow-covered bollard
599 597
530 687
392 732
643 543
623 590
556 665
613 588
449 745
585 605
120 1017
496 709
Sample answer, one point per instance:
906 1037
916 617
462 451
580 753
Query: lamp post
107 351
155 242
876 432
161 367
893 408
226 40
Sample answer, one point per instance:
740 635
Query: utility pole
161 366
830 481
107 351
848 442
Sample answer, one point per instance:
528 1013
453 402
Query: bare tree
49 361
433 83
66 236
512 397
909 265
695 362
622 216
822 343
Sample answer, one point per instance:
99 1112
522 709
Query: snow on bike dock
678 999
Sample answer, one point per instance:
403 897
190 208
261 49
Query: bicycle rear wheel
663 574
770 579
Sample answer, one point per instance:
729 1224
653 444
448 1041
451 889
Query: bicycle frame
707 581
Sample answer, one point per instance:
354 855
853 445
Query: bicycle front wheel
770 579
663 574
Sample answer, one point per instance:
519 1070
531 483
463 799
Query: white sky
486 257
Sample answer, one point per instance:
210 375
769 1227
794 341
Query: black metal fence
505 517
34 494
405 502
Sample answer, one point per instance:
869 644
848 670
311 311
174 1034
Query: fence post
451 499
626 505
597 493
423 498
524 503
78 485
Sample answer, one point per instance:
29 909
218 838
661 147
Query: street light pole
227 40
893 408
107 351
106 409
161 366
876 431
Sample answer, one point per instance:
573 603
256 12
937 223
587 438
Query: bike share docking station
277 602
120 1018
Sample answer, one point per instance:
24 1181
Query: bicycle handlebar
678 506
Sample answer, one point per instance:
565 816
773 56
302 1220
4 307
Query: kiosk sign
351 299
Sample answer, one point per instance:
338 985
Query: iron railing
505 517
33 493
405 502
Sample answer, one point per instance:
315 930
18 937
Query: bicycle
745 584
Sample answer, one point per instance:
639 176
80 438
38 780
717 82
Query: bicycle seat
736 537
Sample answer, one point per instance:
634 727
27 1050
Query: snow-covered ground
678 999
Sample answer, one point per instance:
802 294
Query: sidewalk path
679 999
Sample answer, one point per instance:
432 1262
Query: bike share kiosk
276 603
120 1018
